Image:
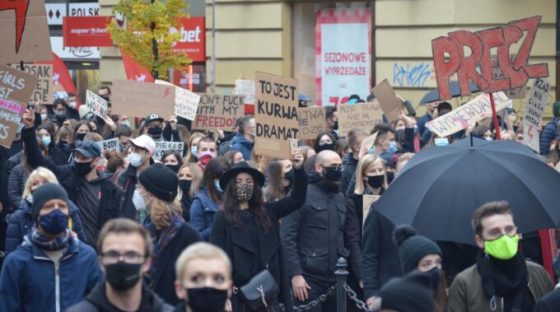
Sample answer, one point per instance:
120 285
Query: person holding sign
247 228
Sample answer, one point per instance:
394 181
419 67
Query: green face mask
503 248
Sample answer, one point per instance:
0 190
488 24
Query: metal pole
213 46
341 276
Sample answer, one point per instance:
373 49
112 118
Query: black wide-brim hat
241 167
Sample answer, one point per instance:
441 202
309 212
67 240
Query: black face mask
376 181
290 176
390 177
82 169
80 136
175 168
206 299
435 273
155 132
332 174
185 185
399 136
335 126
324 147
122 276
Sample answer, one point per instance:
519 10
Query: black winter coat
16 184
313 236
380 256
247 259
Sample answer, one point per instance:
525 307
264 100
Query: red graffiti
20 7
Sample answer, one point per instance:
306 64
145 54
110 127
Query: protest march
140 191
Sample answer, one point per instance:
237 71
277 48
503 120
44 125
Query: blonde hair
39 173
363 164
162 211
203 251
196 174
190 156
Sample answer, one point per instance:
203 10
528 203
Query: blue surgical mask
135 160
441 142
193 150
46 140
393 147
217 185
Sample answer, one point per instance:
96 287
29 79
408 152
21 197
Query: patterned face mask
244 192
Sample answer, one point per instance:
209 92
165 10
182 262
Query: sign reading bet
450 57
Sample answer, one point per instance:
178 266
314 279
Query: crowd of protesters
87 230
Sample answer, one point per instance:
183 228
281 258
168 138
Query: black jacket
353 234
313 236
162 274
97 301
380 256
7 166
60 154
111 195
247 260
127 180
349 165
16 184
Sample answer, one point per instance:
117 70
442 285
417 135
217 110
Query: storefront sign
73 54
86 31
193 38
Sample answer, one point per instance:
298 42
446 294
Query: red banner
193 38
86 31
135 71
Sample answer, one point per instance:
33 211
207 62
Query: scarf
44 243
504 278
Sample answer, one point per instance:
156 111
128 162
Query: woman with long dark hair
279 179
247 229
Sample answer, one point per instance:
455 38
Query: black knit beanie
412 293
412 247
43 194
161 181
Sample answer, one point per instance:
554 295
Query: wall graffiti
411 75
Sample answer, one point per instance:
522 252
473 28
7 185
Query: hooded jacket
31 281
240 143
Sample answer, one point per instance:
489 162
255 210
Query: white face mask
72 104
44 117
135 160
138 201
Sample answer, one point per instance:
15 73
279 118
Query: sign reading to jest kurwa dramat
450 59
468 114
276 115
218 112
364 116
534 112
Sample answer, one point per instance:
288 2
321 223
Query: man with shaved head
312 236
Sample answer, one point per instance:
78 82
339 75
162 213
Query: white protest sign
468 114
96 104
162 147
186 102
109 145
534 112
246 88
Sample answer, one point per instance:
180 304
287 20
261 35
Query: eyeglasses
111 257
496 233
336 166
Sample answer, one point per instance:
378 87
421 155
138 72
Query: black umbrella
433 95
440 188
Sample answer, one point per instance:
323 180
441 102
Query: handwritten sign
218 112
136 98
16 85
109 145
25 32
276 115
534 112
96 104
186 102
10 118
450 59
468 114
367 201
162 147
364 116
515 93
43 90
311 122
390 103
245 88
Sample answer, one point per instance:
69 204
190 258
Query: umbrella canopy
440 188
433 95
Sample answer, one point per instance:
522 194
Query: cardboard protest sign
367 201
218 112
136 98
450 59
311 122
96 104
10 118
468 114
109 145
245 88
387 98
276 114
162 147
186 102
534 112
25 32
359 116
43 93
16 85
